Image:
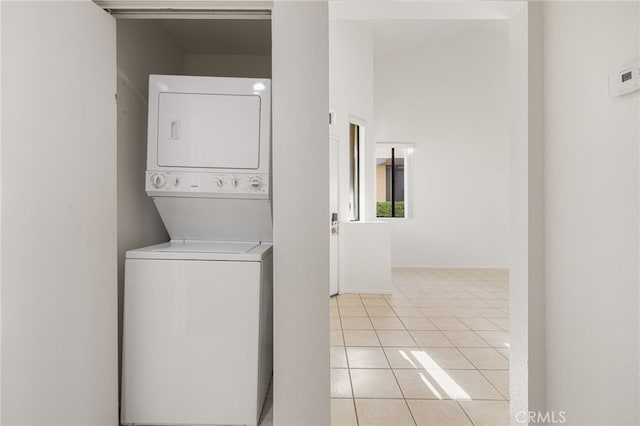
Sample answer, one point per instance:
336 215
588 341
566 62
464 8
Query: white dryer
197 339
209 156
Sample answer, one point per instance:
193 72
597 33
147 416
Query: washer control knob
255 182
158 180
219 182
234 182
176 181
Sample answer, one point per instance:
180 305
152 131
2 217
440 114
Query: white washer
197 345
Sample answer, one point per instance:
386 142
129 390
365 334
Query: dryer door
209 130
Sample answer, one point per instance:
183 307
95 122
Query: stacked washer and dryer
197 339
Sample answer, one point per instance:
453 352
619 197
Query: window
355 134
392 167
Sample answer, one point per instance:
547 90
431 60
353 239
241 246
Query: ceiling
393 37
220 36
253 36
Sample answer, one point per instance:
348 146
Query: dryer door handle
175 129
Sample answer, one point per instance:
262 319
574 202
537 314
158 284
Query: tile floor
434 352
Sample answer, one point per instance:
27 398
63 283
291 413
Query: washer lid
207 247
243 251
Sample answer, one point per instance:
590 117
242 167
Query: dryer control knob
158 181
255 182
234 182
219 182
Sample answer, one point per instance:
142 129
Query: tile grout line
505 398
346 356
458 402
353 392
476 368
390 368
465 412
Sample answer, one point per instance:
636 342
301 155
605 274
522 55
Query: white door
333 215
208 130
60 325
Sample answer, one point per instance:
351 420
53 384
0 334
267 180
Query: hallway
434 352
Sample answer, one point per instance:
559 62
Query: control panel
215 185
625 80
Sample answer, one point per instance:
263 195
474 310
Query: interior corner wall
300 209
351 96
527 376
527 322
591 167
450 99
142 49
255 66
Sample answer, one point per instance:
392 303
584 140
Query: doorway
154 42
516 22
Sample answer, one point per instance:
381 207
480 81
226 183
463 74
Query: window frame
356 132
408 177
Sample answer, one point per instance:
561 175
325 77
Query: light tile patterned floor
434 352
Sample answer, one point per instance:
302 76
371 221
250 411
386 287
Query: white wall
365 258
449 98
59 301
300 208
351 99
591 158
142 49
351 96
258 66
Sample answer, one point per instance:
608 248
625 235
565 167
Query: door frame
334 150
527 323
